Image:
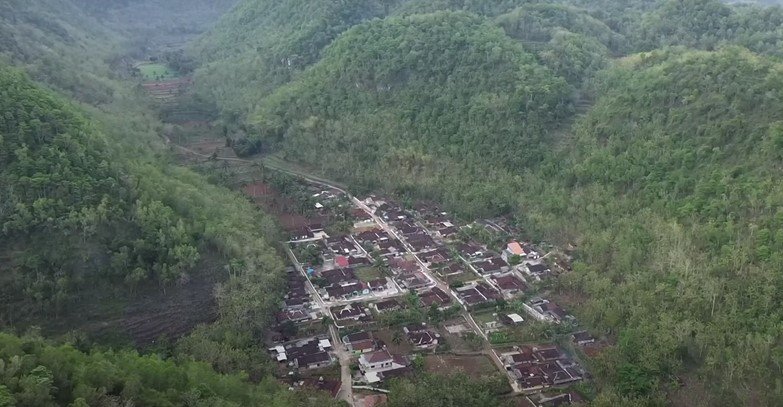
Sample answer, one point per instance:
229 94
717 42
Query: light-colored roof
515 248
324 343
281 357
515 318
278 349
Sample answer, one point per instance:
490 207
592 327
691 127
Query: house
378 365
313 360
305 354
316 228
341 261
376 361
328 385
436 297
402 266
345 290
420 242
423 340
408 229
446 230
543 310
413 281
537 368
360 342
582 338
389 247
421 337
293 316
359 261
302 234
349 312
371 236
492 265
451 269
511 319
565 399
297 303
470 250
411 328
508 284
435 257
537 270
513 249
476 294
387 306
378 285
337 276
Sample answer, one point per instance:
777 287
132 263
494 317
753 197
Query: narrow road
346 390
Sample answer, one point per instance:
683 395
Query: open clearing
156 72
368 273
473 366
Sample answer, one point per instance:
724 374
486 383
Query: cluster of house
536 368
546 311
476 294
376 362
336 276
310 353
408 274
296 305
378 241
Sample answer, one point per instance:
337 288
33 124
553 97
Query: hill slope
672 197
416 102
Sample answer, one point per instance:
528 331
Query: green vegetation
452 390
35 373
409 116
368 273
99 229
156 72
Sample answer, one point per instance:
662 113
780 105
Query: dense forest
99 226
645 133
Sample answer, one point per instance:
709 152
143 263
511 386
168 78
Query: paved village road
346 390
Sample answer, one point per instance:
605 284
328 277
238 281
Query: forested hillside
34 373
400 98
671 196
105 241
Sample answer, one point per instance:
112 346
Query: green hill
672 197
416 102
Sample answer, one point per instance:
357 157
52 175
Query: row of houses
536 368
310 353
297 303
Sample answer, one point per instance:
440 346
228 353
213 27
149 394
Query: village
406 289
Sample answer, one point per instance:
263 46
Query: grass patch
475 367
484 317
156 72
461 278
368 273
